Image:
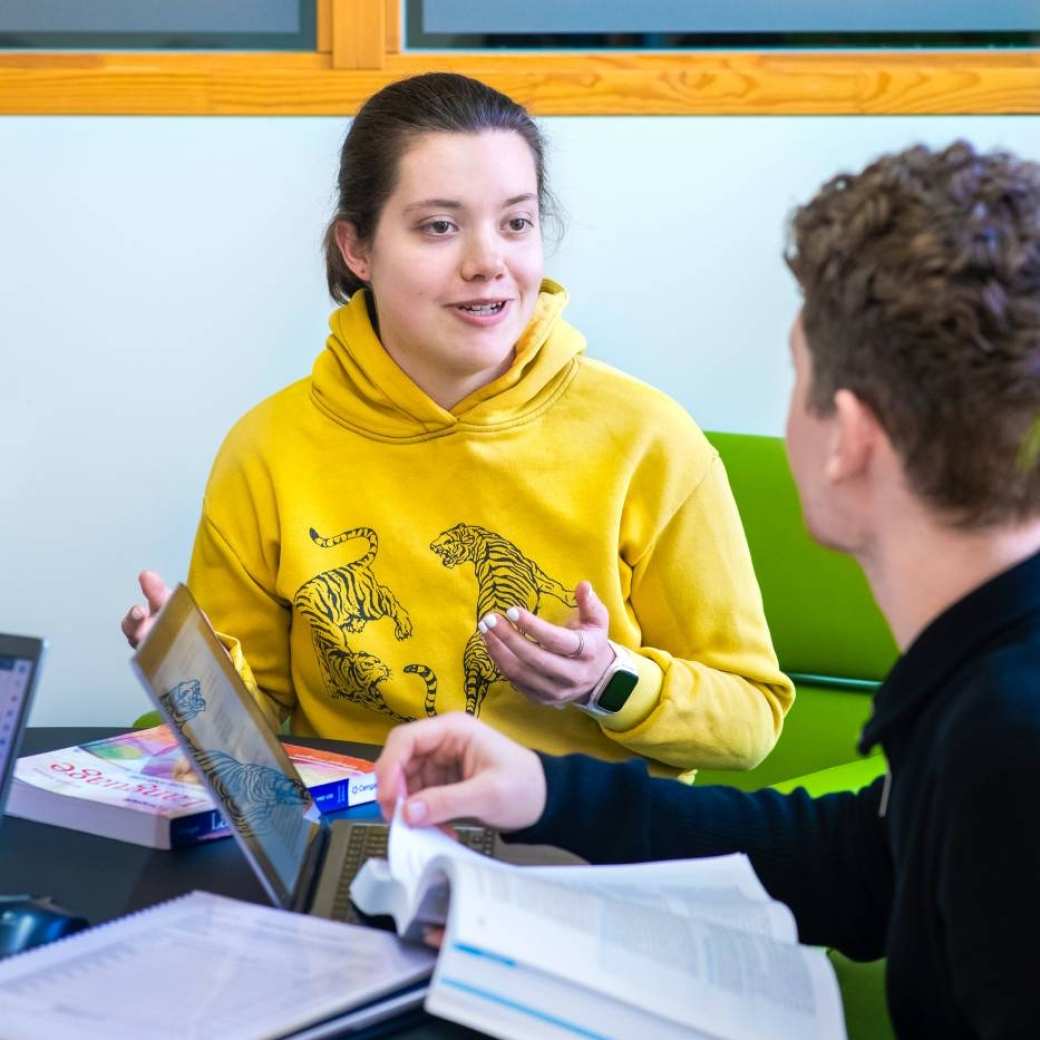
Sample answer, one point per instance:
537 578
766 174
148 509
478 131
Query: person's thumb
590 610
154 589
434 805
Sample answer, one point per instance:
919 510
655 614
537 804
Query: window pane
158 24
715 23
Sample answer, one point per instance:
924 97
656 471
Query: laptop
20 660
304 862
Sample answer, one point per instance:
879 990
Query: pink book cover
154 752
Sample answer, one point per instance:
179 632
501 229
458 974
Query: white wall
159 276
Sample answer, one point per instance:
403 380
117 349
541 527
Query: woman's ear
353 250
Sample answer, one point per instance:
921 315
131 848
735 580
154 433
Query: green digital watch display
614 688
615 694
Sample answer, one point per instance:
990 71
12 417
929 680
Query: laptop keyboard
367 840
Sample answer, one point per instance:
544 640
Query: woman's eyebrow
457 204
434 204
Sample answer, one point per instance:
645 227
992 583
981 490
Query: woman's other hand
139 619
551 664
452 767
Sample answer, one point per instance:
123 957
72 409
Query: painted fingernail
490 620
416 811
136 613
513 613
482 627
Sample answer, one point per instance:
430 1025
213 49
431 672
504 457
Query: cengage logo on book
362 785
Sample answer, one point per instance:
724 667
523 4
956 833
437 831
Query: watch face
616 692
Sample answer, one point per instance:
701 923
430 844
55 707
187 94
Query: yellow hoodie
354 531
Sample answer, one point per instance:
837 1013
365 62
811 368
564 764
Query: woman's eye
439 227
520 224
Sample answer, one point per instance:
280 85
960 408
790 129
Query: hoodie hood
357 383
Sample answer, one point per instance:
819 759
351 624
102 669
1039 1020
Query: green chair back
862 985
850 776
826 626
822 616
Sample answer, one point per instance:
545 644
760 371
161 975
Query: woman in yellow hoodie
459 509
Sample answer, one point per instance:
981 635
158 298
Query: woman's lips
482 313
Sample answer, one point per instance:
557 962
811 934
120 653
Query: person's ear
854 438
354 251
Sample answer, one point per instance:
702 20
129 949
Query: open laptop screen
20 658
192 681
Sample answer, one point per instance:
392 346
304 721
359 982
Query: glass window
707 24
158 25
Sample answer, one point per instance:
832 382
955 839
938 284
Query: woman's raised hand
140 617
452 767
551 664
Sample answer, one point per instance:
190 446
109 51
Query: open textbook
680 949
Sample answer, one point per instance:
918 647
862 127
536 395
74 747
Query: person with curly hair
914 437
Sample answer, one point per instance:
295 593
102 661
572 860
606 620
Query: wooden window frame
359 51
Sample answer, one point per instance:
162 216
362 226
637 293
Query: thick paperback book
682 950
138 787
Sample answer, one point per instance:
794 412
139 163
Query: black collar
956 635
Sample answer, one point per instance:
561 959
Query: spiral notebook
203 966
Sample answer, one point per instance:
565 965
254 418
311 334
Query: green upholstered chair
849 777
833 642
862 984
862 987
829 635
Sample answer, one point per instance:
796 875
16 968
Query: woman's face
455 262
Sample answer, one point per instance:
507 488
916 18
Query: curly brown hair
921 283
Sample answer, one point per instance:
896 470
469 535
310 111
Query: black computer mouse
28 921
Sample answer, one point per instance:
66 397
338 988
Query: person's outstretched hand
139 618
554 665
452 767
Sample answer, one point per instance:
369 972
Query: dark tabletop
99 879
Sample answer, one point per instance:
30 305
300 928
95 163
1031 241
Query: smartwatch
615 686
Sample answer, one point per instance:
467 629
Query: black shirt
941 875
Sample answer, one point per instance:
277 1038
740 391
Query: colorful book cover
138 786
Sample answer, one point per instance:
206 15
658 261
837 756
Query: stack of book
138 787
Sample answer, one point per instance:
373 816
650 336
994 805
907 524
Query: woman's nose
483 259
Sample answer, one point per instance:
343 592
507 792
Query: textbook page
693 972
411 885
515 1001
199 967
700 945
723 889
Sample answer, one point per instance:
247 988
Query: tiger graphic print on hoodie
344 600
505 578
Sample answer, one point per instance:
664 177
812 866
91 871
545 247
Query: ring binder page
202 966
